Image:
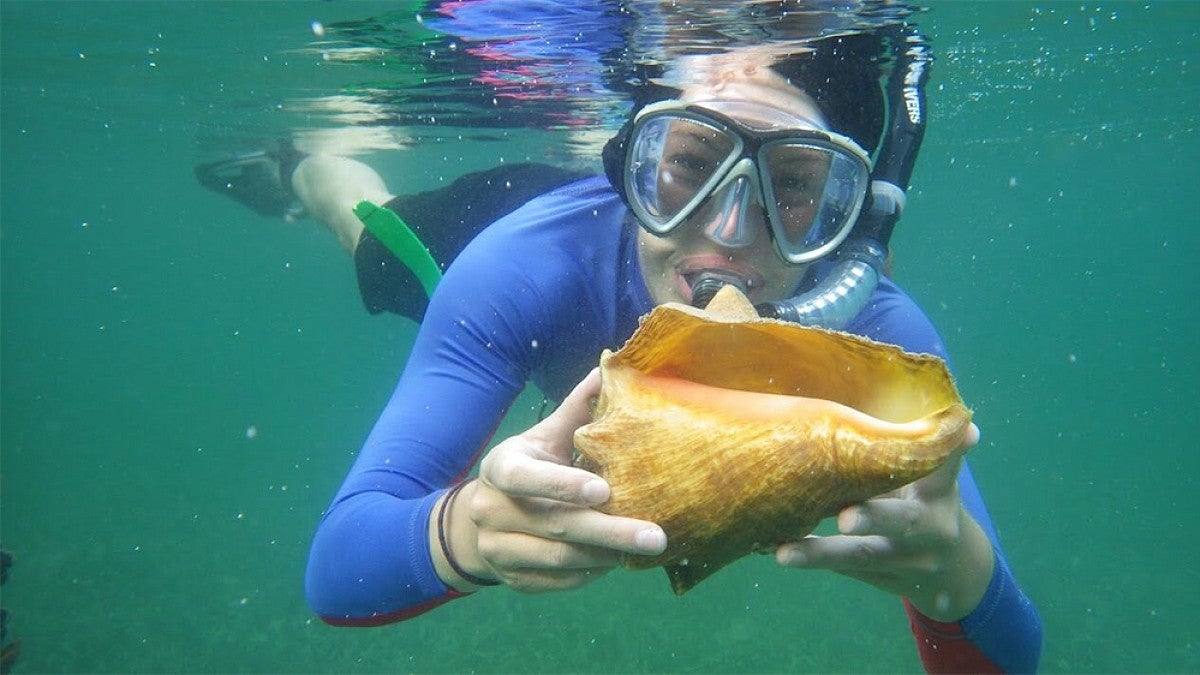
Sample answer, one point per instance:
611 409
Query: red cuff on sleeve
944 648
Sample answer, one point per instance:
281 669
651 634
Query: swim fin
261 180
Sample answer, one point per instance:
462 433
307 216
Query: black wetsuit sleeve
446 220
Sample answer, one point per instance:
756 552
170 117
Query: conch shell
737 433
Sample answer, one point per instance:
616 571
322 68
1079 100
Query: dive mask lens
675 162
814 192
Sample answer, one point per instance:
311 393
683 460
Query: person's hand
917 542
534 528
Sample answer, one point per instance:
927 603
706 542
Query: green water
185 383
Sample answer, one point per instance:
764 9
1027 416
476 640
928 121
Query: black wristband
441 530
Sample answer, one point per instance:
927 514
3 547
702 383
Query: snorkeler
762 173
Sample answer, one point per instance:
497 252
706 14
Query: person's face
671 264
718 240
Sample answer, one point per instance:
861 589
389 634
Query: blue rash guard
536 297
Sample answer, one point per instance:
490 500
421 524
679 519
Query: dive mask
688 159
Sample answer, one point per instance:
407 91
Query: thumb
971 438
555 435
941 483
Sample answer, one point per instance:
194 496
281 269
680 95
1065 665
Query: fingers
542 579
518 551
534 523
921 516
555 520
874 559
532 564
908 521
907 530
837 552
518 469
915 541
538 581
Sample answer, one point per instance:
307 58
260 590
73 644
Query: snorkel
838 297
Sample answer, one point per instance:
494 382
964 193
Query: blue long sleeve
520 303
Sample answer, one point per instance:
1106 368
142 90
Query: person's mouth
696 268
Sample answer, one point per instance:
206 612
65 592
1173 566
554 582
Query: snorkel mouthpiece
708 284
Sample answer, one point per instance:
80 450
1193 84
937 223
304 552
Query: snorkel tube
841 295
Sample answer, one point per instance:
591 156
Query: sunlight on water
1053 68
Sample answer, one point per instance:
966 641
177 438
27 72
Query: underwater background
185 383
